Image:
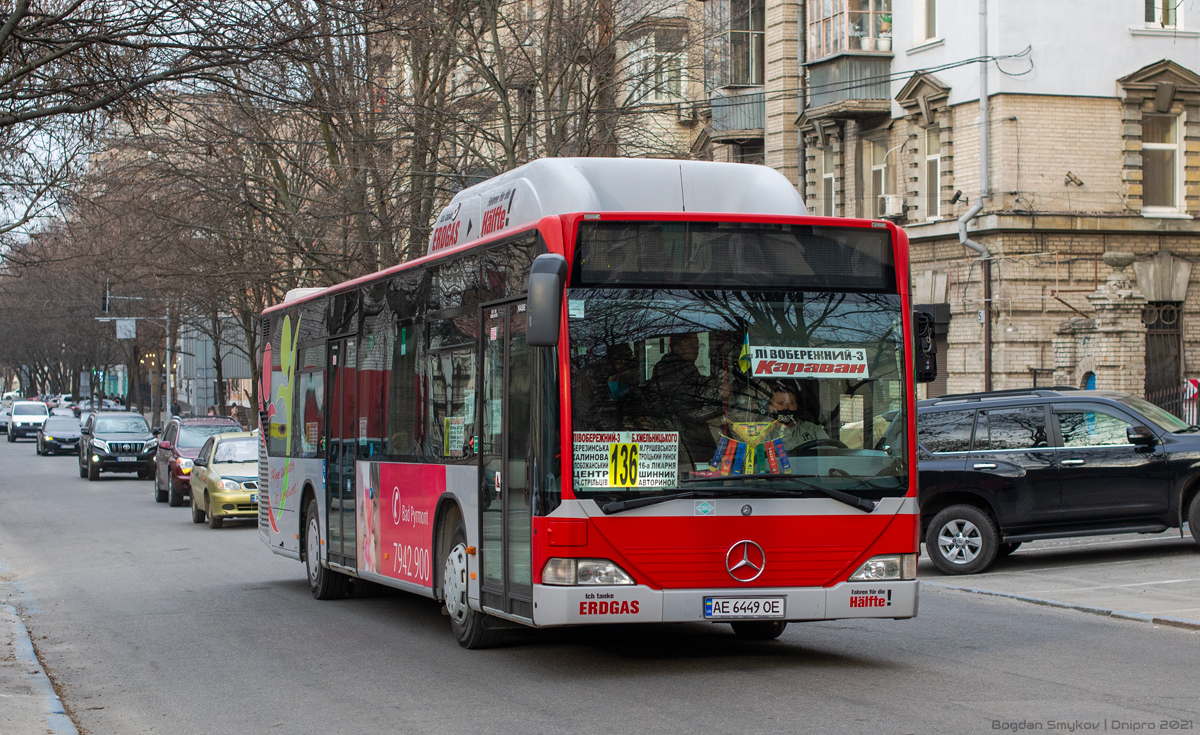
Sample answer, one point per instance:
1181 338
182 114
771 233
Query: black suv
1001 468
117 442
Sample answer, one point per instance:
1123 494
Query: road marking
1110 586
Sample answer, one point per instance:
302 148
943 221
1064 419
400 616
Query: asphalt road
151 624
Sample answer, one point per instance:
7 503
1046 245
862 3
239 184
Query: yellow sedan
224 478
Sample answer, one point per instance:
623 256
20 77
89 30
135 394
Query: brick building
1080 242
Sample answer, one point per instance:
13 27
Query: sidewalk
28 704
1153 578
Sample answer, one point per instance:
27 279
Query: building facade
1081 237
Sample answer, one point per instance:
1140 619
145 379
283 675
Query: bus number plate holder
738 608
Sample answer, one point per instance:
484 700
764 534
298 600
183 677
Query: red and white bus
613 391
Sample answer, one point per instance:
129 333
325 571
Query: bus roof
551 186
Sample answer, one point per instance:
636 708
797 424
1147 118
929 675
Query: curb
57 719
1119 614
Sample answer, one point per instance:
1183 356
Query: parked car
27 418
225 478
62 411
117 442
58 435
7 399
181 442
1001 468
5 415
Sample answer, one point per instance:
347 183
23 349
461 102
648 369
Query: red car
181 442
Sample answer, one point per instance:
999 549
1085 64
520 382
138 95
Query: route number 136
622 465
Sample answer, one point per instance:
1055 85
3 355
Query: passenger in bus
607 389
685 398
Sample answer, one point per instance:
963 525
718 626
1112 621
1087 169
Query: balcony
851 80
738 114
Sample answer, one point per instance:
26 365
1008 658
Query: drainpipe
985 192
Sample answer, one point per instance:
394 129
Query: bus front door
340 448
504 486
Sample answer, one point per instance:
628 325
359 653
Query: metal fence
1179 400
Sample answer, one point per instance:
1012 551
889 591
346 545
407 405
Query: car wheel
38 448
197 514
325 584
145 475
93 472
962 539
82 469
1194 518
174 495
469 626
759 630
213 521
11 437
160 494
1006 549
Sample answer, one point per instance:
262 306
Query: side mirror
1141 436
156 431
924 348
164 445
197 462
547 278
84 431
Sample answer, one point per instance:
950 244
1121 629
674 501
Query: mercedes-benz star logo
745 561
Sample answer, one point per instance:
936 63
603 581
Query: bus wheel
759 630
325 584
468 625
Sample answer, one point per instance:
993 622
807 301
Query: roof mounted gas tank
563 185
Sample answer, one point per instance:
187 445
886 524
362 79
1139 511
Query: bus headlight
571 572
887 567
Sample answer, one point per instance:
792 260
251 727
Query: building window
751 151
924 21
658 66
1162 13
880 181
1161 169
833 27
933 172
828 164
747 42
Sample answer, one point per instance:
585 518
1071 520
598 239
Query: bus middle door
341 448
504 486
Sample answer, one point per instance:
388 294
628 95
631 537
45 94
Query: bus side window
450 405
405 425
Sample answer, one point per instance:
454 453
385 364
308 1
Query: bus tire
759 630
468 625
962 539
325 584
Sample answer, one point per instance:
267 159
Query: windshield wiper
847 498
854 501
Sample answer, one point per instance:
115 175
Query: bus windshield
721 389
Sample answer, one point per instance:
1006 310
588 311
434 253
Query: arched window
1089 381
